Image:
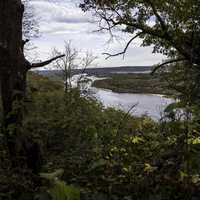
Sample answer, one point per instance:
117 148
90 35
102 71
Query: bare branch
125 49
166 63
156 32
42 64
86 62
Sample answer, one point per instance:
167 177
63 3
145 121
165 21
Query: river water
145 104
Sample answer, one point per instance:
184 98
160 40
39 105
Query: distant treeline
105 71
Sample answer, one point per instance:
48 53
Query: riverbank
134 83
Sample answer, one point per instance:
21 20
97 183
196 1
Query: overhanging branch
166 63
162 32
42 64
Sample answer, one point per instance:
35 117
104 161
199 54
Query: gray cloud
63 20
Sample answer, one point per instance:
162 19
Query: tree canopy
171 26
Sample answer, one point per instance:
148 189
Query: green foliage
103 153
109 156
172 27
184 79
63 192
58 190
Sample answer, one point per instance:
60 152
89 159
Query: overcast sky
63 20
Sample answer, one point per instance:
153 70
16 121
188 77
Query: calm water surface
149 104
146 104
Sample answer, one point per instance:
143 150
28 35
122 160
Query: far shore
134 83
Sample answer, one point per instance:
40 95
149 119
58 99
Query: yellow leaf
136 139
196 179
148 168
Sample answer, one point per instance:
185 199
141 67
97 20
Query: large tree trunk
13 70
12 62
12 92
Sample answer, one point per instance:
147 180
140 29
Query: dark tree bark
13 71
12 62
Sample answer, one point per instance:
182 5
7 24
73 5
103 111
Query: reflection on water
149 104
152 105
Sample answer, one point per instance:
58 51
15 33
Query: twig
166 63
125 49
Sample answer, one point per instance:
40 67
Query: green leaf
61 191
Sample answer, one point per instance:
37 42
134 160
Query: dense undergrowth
89 152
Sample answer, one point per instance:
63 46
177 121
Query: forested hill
104 71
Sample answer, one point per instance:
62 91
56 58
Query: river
152 105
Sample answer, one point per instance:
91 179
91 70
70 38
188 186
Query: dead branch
42 64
